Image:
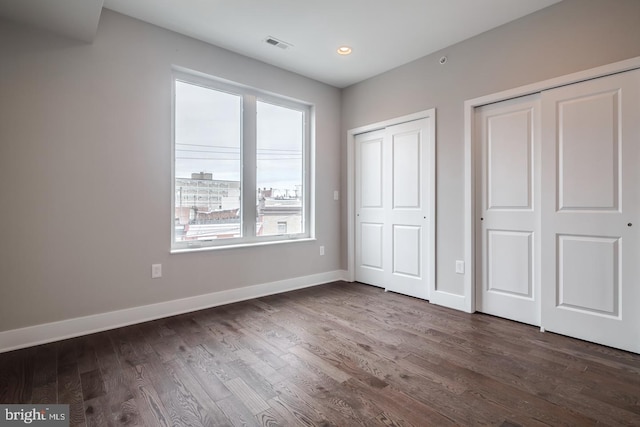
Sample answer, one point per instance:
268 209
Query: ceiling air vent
278 43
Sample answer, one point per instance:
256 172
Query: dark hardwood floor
339 354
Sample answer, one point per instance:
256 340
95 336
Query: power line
233 148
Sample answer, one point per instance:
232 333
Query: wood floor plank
123 341
86 355
113 378
180 405
327 391
92 385
16 376
188 329
342 354
203 367
293 415
569 395
271 375
270 418
237 413
508 396
45 364
398 405
169 345
70 392
219 348
150 405
97 413
252 400
310 378
350 362
253 378
325 364
386 420
44 394
129 414
206 410
274 334
259 342
296 401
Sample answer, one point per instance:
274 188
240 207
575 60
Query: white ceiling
384 34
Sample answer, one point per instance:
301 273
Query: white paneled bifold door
394 175
558 210
591 211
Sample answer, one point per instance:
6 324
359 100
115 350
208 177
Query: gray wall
570 36
85 152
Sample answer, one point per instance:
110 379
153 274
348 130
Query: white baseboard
40 334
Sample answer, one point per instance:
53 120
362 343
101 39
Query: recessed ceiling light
344 50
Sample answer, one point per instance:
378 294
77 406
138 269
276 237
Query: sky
208 138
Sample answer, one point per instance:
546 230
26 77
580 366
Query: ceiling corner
77 19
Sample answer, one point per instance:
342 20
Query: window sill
240 245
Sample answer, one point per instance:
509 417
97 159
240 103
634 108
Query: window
282 227
241 165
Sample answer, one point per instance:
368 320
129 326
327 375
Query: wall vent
278 43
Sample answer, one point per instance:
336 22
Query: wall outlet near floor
156 271
321 250
459 267
336 195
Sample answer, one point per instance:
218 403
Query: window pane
279 179
207 163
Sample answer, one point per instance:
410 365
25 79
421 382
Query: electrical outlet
321 250
336 195
156 271
460 267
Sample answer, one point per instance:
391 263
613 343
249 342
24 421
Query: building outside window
282 227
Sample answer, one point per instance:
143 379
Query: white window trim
248 164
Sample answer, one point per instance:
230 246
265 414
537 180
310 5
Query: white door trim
469 153
351 137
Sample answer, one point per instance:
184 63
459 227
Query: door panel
509 172
590 211
508 221
371 172
394 212
407 175
407 250
510 263
588 149
588 278
370 262
371 244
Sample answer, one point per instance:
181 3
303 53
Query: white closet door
591 212
508 209
371 207
394 207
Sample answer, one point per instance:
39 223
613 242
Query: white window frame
248 156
